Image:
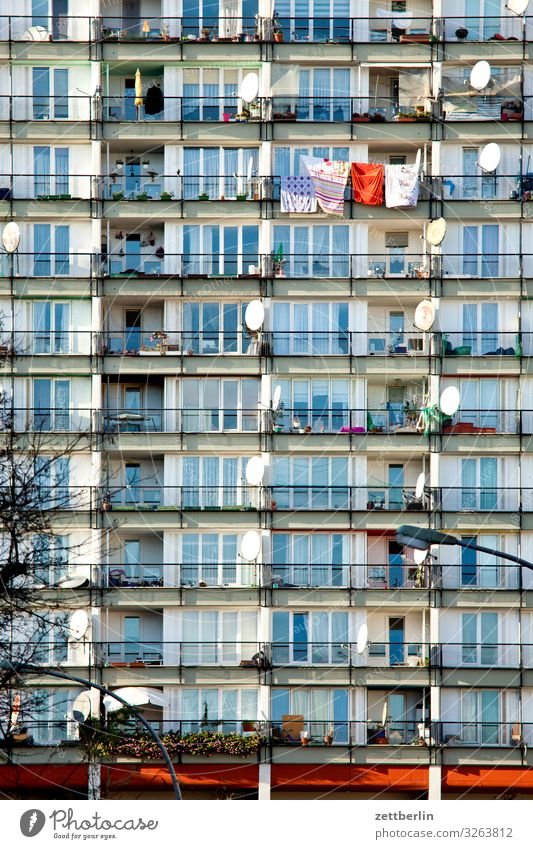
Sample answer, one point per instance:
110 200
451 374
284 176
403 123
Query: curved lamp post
422 538
59 673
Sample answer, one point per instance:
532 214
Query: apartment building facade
149 221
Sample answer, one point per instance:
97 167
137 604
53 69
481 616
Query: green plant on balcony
278 262
199 744
167 195
143 196
118 195
203 196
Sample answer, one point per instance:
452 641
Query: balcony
36 343
46 28
28 107
71 264
342 110
287 732
49 187
47 420
223 110
189 187
304 653
482 733
210 420
198 575
319 420
482 187
139 342
206 29
193 497
491 655
343 497
486 499
185 653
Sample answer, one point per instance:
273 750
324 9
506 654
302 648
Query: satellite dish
489 158
436 231
419 555
77 578
517 7
424 315
11 237
480 75
135 696
36 33
420 484
81 707
362 639
450 400
250 546
249 88
255 470
254 316
78 624
276 398
385 713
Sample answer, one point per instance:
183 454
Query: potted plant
106 501
118 195
167 195
205 33
278 262
164 32
142 196
203 196
304 738
461 32
277 416
357 118
406 116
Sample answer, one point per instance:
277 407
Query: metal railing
479 187
184 653
151 185
49 187
306 419
228 109
46 107
205 28
47 342
49 264
482 732
344 497
194 497
480 499
201 574
77 28
139 342
182 420
47 419
463 654
406 654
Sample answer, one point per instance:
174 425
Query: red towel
367 183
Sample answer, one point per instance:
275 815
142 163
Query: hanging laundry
329 181
297 194
154 100
401 185
367 183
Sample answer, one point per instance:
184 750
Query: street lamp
422 538
59 673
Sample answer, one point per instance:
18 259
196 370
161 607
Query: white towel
401 185
297 194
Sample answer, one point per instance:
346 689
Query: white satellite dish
36 33
424 315
362 639
250 546
450 400
255 470
249 88
78 624
276 398
254 316
436 231
480 75
78 577
489 157
135 696
11 237
81 707
517 7
420 484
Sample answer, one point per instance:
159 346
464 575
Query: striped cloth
329 181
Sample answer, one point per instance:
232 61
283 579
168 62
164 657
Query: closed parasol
138 88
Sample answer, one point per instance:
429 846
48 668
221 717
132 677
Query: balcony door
480 638
480 327
481 717
477 568
480 401
481 250
51 404
479 483
482 19
396 640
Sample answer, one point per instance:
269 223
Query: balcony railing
344 497
47 264
319 420
482 732
55 27
47 419
205 420
480 499
185 653
206 28
202 574
47 342
381 654
479 187
139 342
477 576
53 186
455 655
193 497
228 109
193 187
44 107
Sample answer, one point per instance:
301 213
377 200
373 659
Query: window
310 329
212 327
227 18
322 405
219 172
319 250
212 249
45 712
214 482
52 644
317 638
479 569
476 186
481 251
217 709
315 20
287 160
50 557
50 93
51 327
480 714
51 404
218 637
480 327
213 405
52 482
214 559
310 560
396 244
480 402
48 261
479 479
210 93
324 95
480 638
44 181
325 711
311 483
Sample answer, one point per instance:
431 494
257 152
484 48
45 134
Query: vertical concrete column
435 783
264 782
